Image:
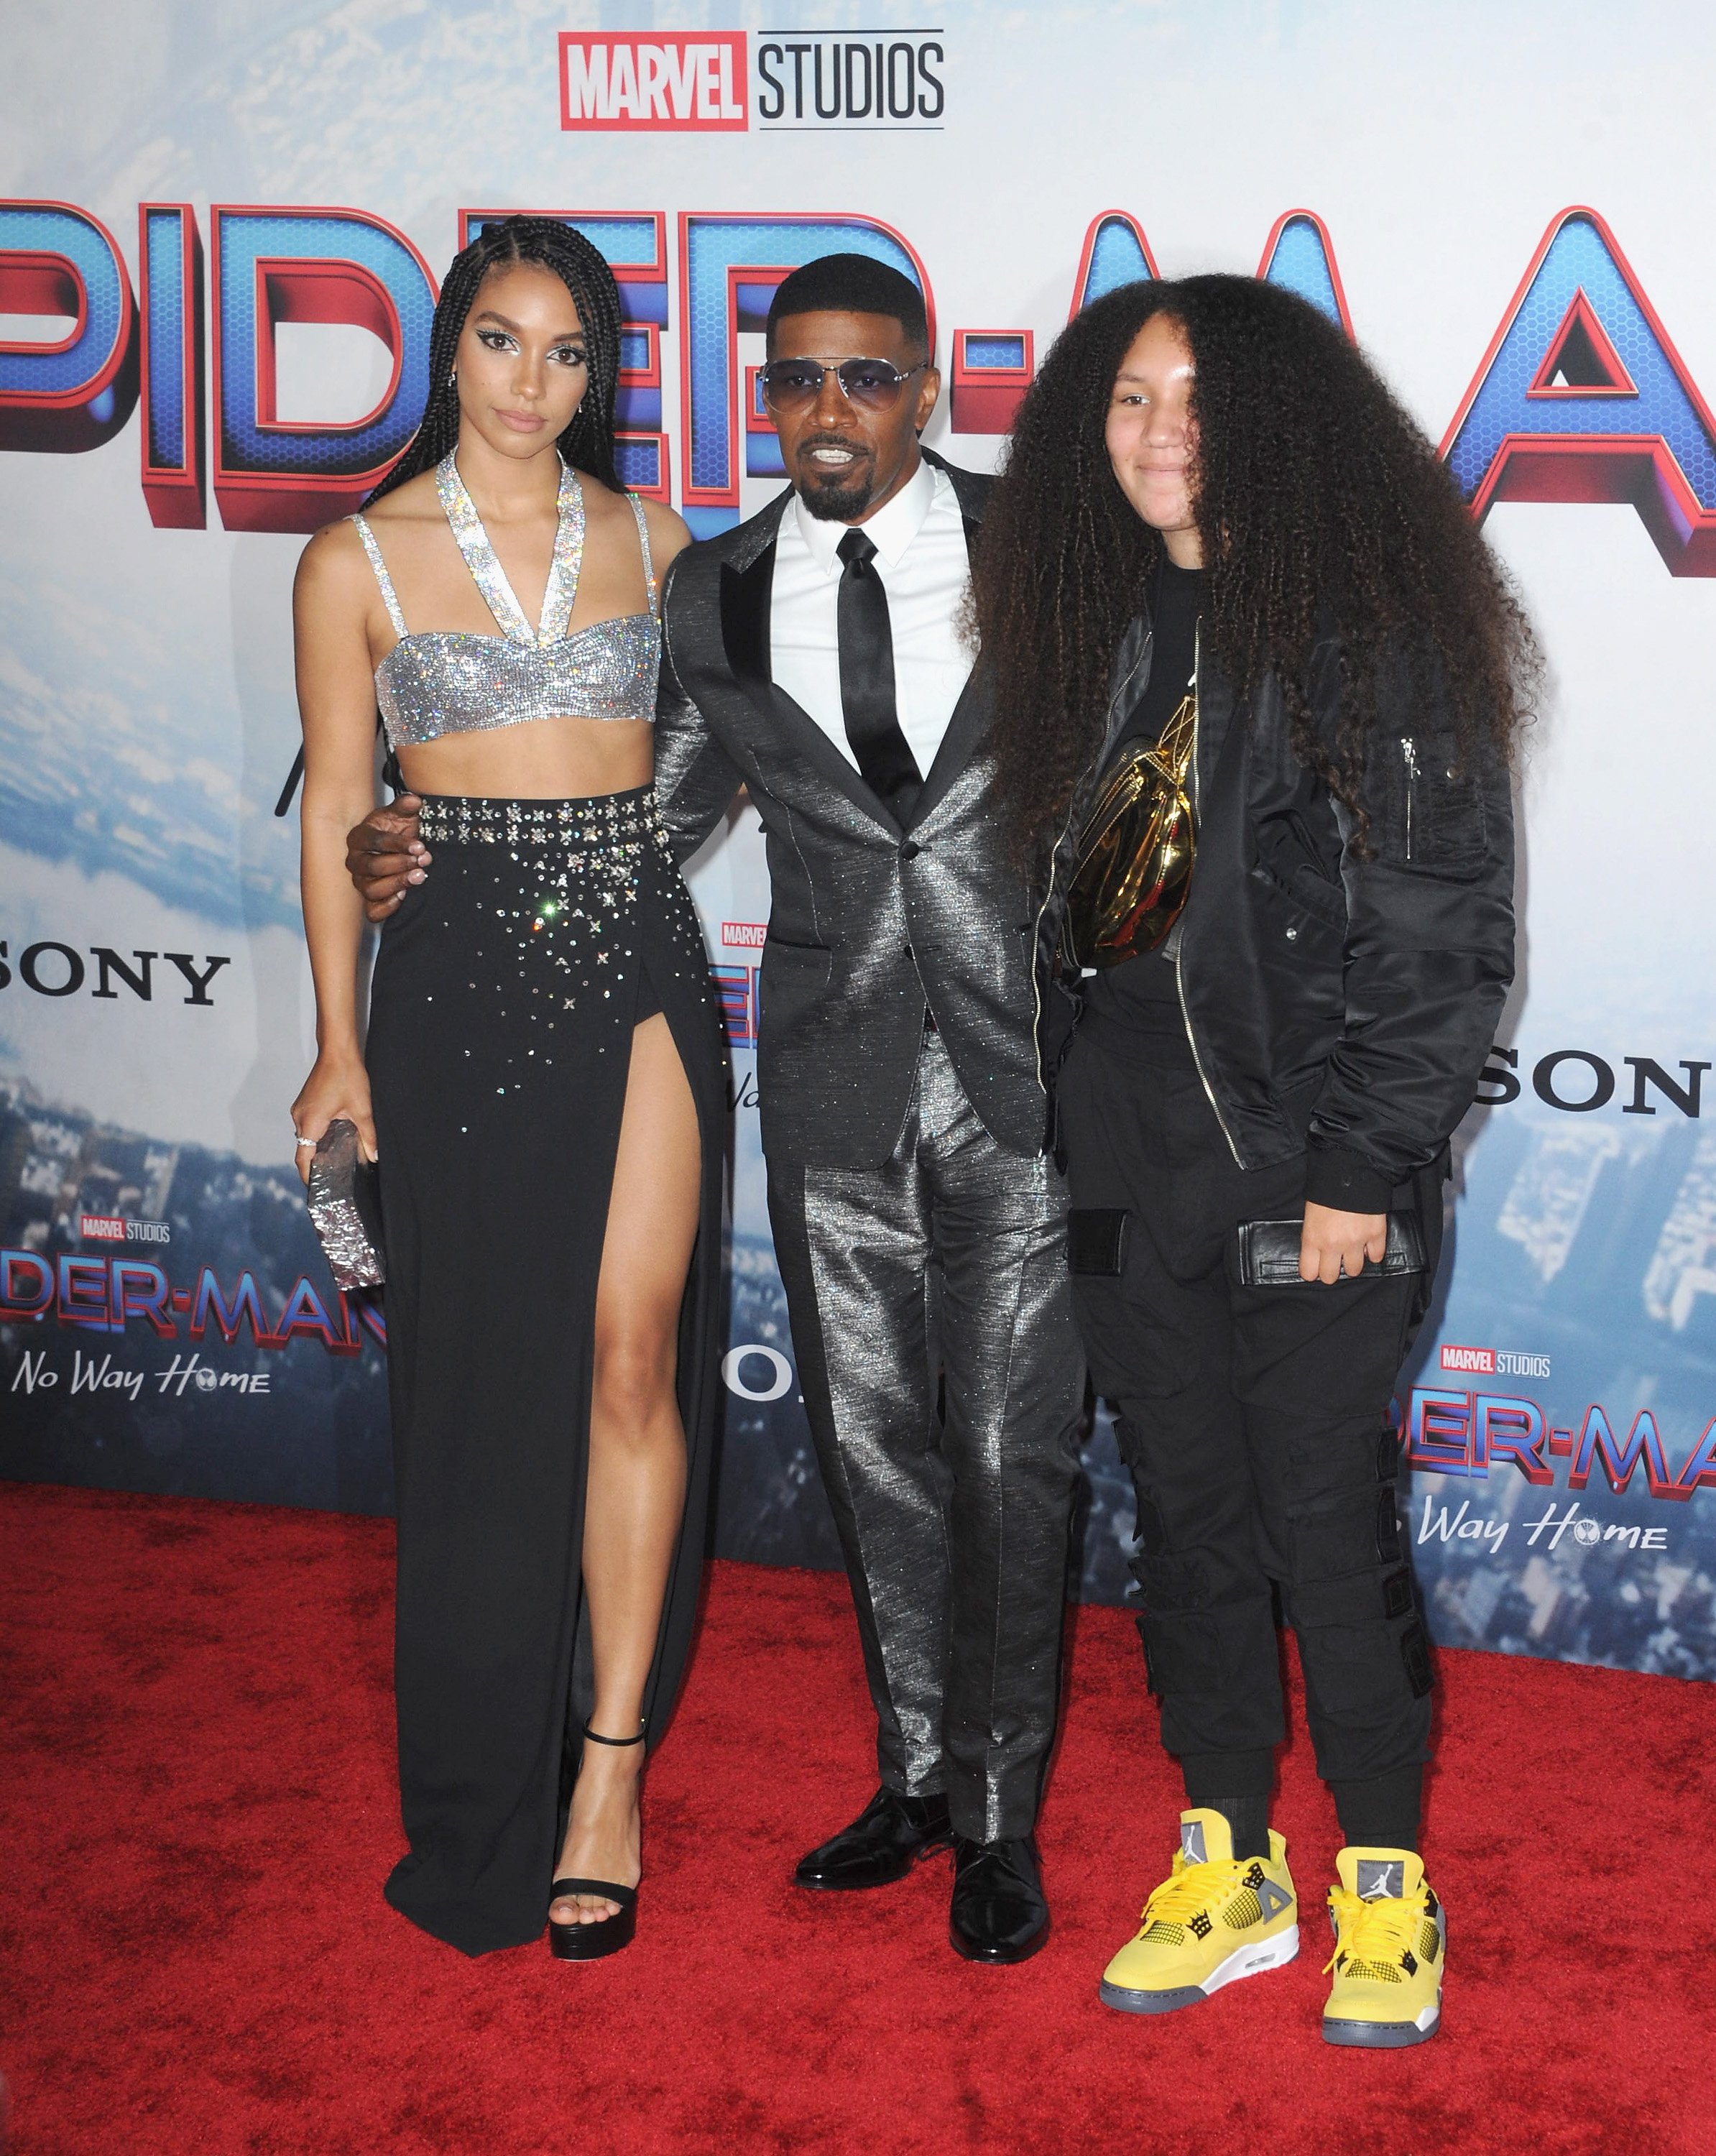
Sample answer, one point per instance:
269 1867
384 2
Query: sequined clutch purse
345 1207
1134 865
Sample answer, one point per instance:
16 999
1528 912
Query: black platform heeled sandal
578 1941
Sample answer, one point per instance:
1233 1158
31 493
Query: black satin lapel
965 730
745 597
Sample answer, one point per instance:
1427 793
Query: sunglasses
872 385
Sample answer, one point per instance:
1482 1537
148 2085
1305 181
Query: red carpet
199 1811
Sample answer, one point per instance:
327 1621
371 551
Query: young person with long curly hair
1258 679
545 1068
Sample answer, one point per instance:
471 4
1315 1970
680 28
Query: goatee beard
836 503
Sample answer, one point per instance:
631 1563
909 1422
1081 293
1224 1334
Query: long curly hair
1321 505
544 241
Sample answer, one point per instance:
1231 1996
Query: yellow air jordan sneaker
1215 1917
1391 1942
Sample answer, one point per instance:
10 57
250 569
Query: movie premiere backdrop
222 227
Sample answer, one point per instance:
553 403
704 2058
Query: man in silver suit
813 656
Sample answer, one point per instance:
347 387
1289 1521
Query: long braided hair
1320 503
588 442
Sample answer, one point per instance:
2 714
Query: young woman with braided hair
544 1065
1258 678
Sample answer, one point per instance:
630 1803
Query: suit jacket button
909 851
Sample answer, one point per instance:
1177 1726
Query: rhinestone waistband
599 820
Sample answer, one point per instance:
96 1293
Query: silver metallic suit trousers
933 1318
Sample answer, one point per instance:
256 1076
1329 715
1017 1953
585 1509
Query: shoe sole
998 1958
596 1942
863 1886
1382 2035
1244 1961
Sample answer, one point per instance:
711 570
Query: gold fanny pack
1134 866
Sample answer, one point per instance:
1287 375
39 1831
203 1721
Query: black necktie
867 679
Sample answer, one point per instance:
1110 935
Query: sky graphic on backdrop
130 759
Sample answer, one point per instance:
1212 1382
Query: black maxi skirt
506 991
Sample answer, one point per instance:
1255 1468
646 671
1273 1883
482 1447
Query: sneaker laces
1190 1888
1373 1934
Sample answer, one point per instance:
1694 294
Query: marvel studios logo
670 78
1493 1363
117 1228
886 81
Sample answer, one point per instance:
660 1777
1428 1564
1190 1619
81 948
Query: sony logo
55 969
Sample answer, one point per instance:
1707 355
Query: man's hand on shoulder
384 856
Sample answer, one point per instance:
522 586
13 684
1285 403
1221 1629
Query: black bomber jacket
1337 1006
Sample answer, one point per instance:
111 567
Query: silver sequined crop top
449 681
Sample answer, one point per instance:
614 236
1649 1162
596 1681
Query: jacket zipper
1179 950
1409 752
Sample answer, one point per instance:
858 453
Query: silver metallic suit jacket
870 918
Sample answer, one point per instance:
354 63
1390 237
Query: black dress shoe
881 1845
999 1913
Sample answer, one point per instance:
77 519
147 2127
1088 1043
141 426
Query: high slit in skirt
506 991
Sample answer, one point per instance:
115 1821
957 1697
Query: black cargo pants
1255 1424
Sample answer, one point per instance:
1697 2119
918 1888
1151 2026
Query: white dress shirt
922 558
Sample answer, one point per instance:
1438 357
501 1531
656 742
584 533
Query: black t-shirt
1142 994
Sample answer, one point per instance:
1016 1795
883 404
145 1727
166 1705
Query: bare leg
636 1488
